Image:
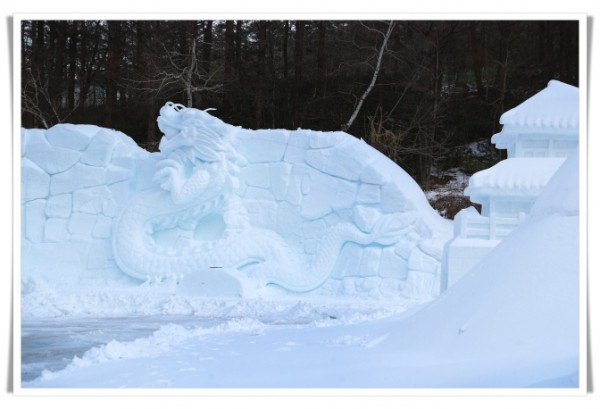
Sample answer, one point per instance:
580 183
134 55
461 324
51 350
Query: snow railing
469 224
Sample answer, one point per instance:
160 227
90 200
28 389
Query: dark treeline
439 84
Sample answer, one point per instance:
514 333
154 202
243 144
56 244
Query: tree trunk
298 64
191 31
72 66
321 65
188 75
38 68
207 46
476 59
57 42
140 44
321 51
270 49
229 44
238 47
261 64
501 81
38 46
361 100
286 33
437 90
113 70
83 74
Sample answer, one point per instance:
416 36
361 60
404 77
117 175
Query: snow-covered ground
445 192
456 180
513 322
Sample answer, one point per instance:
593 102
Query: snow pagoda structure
538 135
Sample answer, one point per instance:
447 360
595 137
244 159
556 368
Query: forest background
419 91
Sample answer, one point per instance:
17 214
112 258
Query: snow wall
225 211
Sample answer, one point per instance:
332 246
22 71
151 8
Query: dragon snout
168 119
171 108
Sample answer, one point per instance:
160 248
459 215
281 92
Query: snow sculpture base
222 210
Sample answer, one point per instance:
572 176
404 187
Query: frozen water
51 344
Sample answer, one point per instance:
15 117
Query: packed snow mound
225 211
514 317
561 194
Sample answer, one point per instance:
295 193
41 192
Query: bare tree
361 100
179 72
37 100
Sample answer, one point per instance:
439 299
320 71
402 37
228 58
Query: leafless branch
36 93
180 71
359 105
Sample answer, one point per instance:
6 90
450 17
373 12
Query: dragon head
190 128
197 149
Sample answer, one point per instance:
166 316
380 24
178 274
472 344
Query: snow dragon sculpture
301 210
205 224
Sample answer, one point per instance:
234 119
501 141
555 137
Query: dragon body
195 221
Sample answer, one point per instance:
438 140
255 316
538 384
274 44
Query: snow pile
513 321
561 194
